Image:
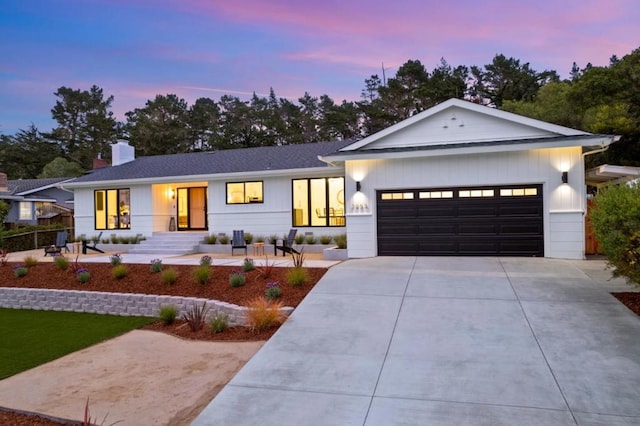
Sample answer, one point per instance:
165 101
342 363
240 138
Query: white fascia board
312 171
372 154
42 200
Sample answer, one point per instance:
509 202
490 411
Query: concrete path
446 341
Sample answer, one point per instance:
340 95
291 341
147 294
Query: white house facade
457 179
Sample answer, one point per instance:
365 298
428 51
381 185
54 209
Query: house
457 179
37 201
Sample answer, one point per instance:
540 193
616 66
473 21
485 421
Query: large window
318 202
25 210
244 192
112 208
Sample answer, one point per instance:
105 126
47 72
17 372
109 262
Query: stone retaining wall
124 304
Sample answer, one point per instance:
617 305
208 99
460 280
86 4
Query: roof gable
455 122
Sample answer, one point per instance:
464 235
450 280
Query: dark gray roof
24 185
225 161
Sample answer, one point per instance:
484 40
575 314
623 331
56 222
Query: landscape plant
169 276
219 323
114 239
237 279
196 316
202 274
299 239
298 259
273 239
205 260
61 262
615 218
297 276
340 240
119 271
267 270
273 290
310 239
211 239
30 261
156 266
20 271
224 239
263 314
83 275
4 257
115 259
168 313
248 265
325 239
248 238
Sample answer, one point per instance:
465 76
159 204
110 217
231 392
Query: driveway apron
443 341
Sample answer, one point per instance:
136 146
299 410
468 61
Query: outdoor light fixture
565 177
172 193
358 186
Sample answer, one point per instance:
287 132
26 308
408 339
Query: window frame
244 192
120 221
338 220
22 208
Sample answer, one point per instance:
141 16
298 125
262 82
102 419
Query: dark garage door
478 221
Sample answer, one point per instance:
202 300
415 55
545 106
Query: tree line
595 99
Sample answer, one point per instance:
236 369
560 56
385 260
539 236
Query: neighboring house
457 179
37 201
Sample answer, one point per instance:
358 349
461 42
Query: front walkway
446 341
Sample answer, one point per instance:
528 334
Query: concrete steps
177 243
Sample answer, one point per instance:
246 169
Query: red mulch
630 299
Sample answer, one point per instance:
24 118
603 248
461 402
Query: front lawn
30 338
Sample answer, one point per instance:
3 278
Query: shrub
75 266
267 270
273 290
247 265
169 276
273 239
298 259
82 275
297 276
263 314
61 262
20 271
325 239
248 238
30 261
237 279
260 239
299 238
202 274
341 240
310 239
168 313
615 218
114 239
156 265
205 260
123 240
196 315
224 239
211 239
4 257
115 259
219 323
119 271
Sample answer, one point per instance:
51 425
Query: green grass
30 338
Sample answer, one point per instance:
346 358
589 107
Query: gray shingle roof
24 185
217 162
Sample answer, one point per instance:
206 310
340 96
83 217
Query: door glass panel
183 208
318 202
300 203
197 208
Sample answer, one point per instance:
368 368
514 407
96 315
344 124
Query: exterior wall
563 203
272 217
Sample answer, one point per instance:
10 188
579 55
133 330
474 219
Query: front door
192 209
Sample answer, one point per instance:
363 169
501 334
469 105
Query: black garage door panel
469 226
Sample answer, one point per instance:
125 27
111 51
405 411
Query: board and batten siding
563 203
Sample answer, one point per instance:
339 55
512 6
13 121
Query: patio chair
92 246
61 242
287 244
238 241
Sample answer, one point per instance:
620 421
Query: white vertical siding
543 166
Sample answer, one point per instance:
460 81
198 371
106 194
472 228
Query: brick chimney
99 162
122 152
4 185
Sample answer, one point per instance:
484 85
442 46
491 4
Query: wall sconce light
565 177
358 186
172 193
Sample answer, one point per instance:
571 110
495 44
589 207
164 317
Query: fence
30 240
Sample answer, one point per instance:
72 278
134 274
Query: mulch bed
630 299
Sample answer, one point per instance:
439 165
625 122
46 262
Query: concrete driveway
446 341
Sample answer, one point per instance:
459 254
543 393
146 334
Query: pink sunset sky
135 50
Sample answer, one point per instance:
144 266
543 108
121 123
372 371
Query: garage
502 220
